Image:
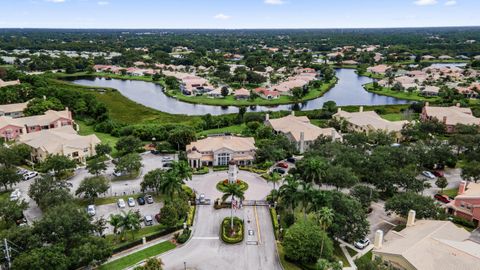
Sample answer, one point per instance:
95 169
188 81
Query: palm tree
325 219
182 170
170 184
305 194
116 222
274 178
130 221
313 170
233 190
289 191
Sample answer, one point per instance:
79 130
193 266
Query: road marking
258 226
206 238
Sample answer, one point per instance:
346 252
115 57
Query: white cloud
55 1
221 16
102 3
451 3
274 2
425 2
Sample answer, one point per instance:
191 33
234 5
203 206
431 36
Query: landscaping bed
203 170
230 236
222 185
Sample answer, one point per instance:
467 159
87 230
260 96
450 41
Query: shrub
182 238
191 215
276 226
221 186
463 222
237 228
203 170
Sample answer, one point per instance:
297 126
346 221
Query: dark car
155 152
442 198
291 160
282 165
141 200
438 173
279 170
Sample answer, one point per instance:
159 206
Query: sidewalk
350 259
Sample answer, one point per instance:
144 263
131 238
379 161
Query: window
75 154
462 204
85 150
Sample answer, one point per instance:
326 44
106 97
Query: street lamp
185 265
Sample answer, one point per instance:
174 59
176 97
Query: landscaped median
138 256
231 235
222 186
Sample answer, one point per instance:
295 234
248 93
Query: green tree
152 263
365 195
96 166
181 136
289 194
169 215
116 222
47 191
11 211
233 190
441 183
340 177
325 220
129 222
311 169
48 257
471 171
129 163
153 180
182 170
103 149
59 164
171 184
303 240
401 203
224 91
39 106
92 187
274 179
9 177
128 144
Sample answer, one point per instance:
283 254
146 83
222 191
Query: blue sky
237 13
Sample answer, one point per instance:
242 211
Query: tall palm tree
274 178
312 170
325 219
116 222
289 191
170 184
182 170
130 221
305 194
233 190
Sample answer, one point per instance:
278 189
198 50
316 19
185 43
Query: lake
348 91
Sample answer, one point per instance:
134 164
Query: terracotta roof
371 119
214 143
294 125
455 115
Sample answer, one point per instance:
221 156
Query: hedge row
276 226
226 224
191 215
182 238
149 237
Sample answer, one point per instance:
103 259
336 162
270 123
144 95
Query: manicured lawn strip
399 94
351 251
338 253
397 116
236 129
231 101
136 257
452 193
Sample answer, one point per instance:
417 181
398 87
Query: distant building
300 131
379 69
450 116
14 110
467 202
219 150
241 93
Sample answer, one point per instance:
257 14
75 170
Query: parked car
149 199
282 165
157 217
131 202
121 203
141 200
22 171
201 198
442 198
291 160
438 173
148 220
29 175
428 174
167 158
362 243
91 210
117 174
15 195
167 165
279 170
155 152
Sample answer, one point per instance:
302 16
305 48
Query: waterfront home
379 69
450 116
218 150
428 57
241 93
368 121
300 131
14 110
445 57
11 128
8 83
428 245
430 90
60 141
195 85
267 93
466 204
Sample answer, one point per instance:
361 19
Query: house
215 93
60 141
369 121
300 131
378 69
14 110
428 245
241 93
9 83
218 150
430 90
349 62
445 57
466 204
195 85
450 116
428 57
266 93
11 128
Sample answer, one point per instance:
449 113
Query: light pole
185 265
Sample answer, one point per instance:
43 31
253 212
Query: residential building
60 141
450 116
218 150
369 121
428 245
241 93
11 128
266 93
14 110
467 202
430 90
379 69
300 131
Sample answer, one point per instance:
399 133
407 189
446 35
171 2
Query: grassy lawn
397 116
104 137
450 192
319 122
5 195
236 129
351 251
338 253
399 94
231 101
136 257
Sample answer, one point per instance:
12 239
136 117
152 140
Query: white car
131 202
428 174
15 195
29 175
362 243
91 210
165 159
117 174
148 220
121 203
